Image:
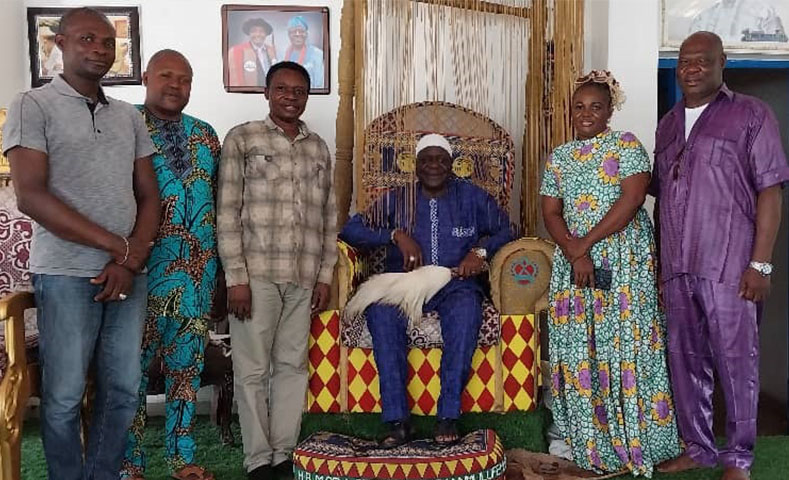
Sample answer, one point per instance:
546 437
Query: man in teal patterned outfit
182 268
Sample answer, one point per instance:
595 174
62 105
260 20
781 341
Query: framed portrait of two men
46 60
256 37
745 26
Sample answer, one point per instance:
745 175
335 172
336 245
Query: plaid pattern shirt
276 213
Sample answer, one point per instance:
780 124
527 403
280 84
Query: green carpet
516 430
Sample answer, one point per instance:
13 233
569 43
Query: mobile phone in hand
602 278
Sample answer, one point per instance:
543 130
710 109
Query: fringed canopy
512 61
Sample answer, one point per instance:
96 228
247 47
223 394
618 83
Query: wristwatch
764 268
480 252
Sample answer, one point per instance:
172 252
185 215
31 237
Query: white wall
623 36
195 29
595 35
12 50
632 45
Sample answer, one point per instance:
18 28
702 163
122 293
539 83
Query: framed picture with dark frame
255 37
46 60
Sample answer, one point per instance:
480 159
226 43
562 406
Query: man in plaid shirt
277 233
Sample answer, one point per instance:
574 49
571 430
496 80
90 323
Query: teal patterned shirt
183 264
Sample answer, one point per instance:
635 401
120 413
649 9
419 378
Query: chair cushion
333 456
16 231
426 334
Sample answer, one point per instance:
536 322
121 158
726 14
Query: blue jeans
75 330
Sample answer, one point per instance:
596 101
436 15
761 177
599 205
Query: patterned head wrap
297 22
604 77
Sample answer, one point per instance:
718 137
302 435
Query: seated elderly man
454 224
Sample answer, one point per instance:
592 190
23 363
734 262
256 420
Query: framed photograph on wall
758 26
46 60
256 37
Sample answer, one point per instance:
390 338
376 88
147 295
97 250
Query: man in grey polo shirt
81 167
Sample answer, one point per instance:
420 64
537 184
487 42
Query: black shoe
399 434
446 431
263 472
284 470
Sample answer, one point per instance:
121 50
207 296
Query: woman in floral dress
612 400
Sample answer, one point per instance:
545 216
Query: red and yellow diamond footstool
330 456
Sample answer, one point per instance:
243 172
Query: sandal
399 434
446 431
548 468
193 472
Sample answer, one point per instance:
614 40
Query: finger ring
412 258
122 296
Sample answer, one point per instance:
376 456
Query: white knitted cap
433 140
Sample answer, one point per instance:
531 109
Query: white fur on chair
409 291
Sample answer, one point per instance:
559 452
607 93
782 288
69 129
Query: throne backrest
482 149
482 153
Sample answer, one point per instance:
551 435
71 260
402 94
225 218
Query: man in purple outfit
719 166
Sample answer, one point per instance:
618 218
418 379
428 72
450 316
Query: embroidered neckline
434 231
174 145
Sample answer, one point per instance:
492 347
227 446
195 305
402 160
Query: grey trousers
270 370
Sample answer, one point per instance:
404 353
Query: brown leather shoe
680 464
734 473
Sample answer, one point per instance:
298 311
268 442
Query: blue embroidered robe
446 228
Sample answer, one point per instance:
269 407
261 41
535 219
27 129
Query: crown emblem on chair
524 271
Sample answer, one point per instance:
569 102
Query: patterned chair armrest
520 275
14 385
350 268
